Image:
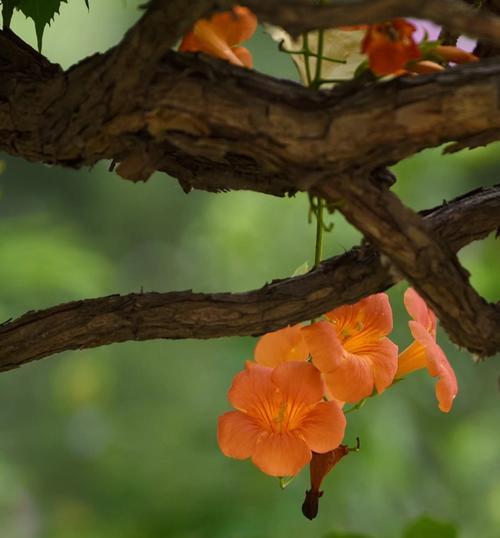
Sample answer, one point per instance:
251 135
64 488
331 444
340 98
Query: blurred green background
120 442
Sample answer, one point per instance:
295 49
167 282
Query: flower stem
319 58
318 250
307 54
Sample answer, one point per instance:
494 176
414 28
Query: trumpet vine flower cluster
288 402
387 48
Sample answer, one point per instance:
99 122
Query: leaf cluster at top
41 11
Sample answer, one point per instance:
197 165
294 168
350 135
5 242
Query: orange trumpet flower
390 46
351 349
284 345
221 36
424 352
281 418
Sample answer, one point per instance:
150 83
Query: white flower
338 44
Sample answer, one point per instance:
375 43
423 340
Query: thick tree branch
302 15
424 259
340 280
215 126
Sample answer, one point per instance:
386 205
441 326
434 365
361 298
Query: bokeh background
120 442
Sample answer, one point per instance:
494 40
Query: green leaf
42 12
430 528
7 10
87 3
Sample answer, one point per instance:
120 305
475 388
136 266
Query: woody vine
289 400
320 360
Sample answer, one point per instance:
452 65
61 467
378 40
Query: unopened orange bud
455 54
425 67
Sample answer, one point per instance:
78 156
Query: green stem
318 251
303 51
307 54
319 58
357 406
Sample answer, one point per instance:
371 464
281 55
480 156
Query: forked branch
343 279
216 127
425 260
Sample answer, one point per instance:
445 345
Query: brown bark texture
216 127
144 316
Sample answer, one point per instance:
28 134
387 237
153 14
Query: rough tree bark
216 127
339 280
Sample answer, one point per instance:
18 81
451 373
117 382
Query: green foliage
44 260
345 535
423 527
7 10
430 528
41 11
119 441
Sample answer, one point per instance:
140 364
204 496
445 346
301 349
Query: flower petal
235 26
455 54
244 55
281 454
323 428
425 339
340 44
419 311
438 365
299 382
369 318
211 42
390 45
425 67
281 346
352 381
324 345
446 387
383 355
189 43
251 388
237 435
413 358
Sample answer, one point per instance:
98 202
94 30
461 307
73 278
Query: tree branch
424 259
150 109
342 279
217 127
302 15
